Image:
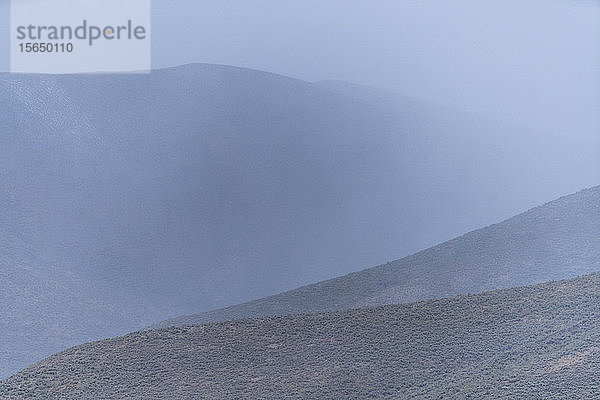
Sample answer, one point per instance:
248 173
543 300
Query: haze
126 199
534 63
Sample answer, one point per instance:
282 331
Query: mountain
522 343
558 240
139 197
45 308
41 314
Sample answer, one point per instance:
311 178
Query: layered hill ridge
521 343
558 240
188 189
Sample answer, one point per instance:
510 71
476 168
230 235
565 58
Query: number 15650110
46 47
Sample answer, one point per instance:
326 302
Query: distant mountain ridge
536 342
558 240
134 198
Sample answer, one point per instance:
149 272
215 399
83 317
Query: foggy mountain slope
44 308
196 187
558 240
251 172
43 311
522 343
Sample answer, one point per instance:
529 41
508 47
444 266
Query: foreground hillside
538 342
558 240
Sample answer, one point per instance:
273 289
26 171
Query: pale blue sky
534 62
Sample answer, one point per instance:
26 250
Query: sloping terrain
241 183
558 240
43 308
538 342
197 187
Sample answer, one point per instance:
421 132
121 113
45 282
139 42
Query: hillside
522 343
558 240
201 186
43 310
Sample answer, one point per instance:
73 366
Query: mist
534 63
306 140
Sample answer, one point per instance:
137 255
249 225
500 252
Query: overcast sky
534 62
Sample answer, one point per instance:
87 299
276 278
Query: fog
534 63
202 186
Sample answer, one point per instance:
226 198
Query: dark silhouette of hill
537 342
193 188
558 240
